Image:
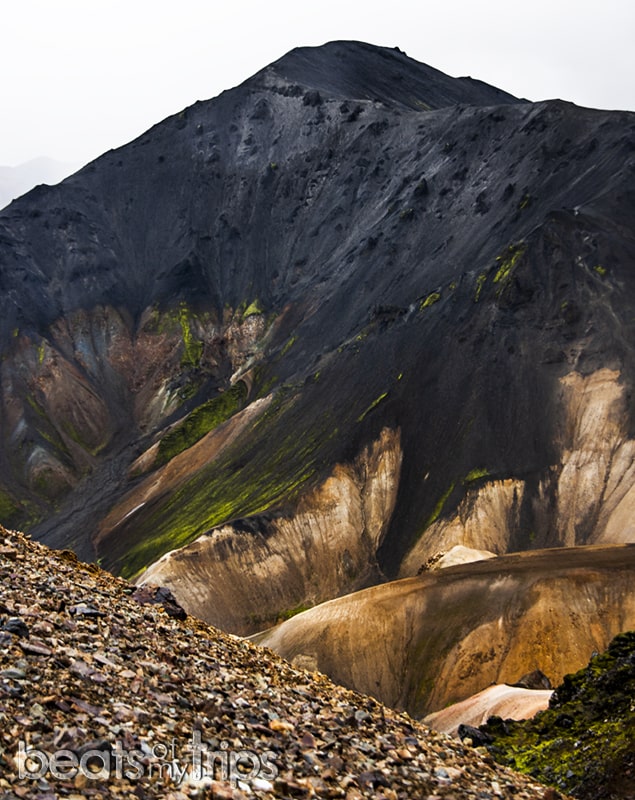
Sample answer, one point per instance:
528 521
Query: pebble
36 648
84 610
13 674
16 626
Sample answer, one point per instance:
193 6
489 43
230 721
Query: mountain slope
423 643
502 700
91 676
352 304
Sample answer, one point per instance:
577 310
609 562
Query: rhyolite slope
353 305
502 700
423 643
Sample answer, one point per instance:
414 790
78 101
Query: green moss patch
253 309
192 347
430 300
480 282
524 202
288 345
507 262
247 480
292 612
200 422
373 405
9 509
583 743
439 506
476 474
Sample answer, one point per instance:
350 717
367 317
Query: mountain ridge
425 642
343 67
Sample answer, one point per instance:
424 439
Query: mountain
423 643
296 340
15 181
94 678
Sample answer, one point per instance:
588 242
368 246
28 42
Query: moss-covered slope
584 743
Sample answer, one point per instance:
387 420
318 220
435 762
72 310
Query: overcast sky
82 76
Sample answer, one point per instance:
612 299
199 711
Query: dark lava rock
85 610
477 736
17 626
534 680
159 595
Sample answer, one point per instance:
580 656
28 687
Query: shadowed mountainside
353 309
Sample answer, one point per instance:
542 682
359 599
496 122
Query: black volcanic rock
536 679
366 244
158 595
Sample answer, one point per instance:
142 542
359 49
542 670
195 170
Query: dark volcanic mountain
342 317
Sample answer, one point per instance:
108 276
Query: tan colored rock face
244 580
597 458
73 421
327 545
177 470
421 643
98 381
483 521
593 483
507 702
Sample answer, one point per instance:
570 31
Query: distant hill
16 181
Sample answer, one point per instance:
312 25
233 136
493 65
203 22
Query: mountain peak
352 69
302 338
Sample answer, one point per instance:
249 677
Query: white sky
81 76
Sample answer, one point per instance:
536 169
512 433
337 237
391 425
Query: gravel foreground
104 695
